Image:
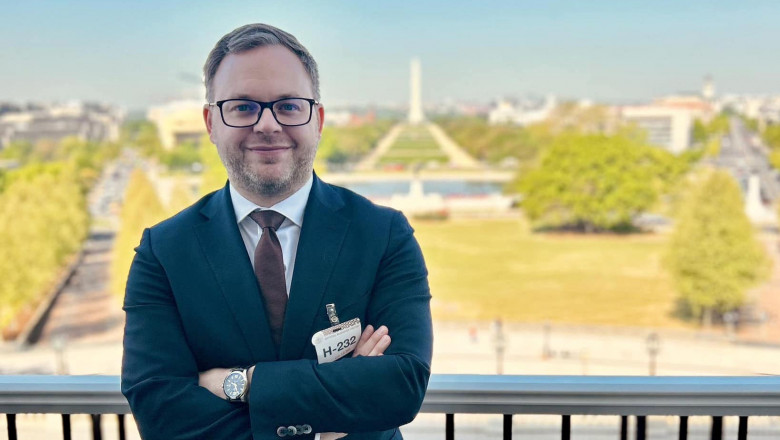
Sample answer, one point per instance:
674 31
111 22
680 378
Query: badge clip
330 309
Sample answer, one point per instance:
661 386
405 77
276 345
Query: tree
494 143
343 144
46 223
214 173
771 136
182 196
713 254
143 136
141 208
596 182
183 155
17 150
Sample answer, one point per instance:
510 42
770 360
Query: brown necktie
269 269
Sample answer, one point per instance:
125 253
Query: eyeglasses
289 112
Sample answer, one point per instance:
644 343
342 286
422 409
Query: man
206 325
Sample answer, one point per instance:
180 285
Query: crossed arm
371 343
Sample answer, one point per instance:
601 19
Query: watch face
235 384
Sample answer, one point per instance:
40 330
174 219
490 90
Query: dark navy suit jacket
193 303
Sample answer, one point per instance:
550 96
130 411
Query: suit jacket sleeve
159 372
362 393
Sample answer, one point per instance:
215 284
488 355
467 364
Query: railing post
96 432
507 426
11 421
566 428
743 428
683 435
641 427
66 435
449 430
717 428
623 427
122 434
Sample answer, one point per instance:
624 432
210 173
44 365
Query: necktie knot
267 218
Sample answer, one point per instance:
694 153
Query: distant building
33 123
765 109
669 121
178 122
521 112
343 118
708 89
338 118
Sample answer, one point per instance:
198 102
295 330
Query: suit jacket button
291 430
281 431
306 429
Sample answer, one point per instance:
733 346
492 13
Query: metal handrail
486 394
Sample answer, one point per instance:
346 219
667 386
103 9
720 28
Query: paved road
458 156
85 311
743 154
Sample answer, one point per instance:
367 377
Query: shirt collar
292 207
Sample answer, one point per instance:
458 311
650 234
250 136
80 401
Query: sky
140 53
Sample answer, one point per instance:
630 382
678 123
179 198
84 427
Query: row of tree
141 208
342 145
494 143
45 218
771 137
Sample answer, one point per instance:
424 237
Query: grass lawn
414 144
484 269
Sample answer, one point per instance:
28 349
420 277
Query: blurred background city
594 184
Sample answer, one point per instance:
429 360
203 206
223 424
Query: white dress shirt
289 232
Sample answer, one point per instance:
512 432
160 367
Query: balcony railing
621 396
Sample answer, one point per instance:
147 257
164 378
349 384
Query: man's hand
372 343
213 379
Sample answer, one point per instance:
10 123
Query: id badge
337 341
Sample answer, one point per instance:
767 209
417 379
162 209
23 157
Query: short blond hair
255 35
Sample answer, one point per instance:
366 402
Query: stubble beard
241 173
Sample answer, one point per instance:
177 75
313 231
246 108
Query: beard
290 180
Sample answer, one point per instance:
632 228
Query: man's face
267 161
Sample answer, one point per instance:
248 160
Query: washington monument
415 93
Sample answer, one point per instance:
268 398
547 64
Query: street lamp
499 343
653 347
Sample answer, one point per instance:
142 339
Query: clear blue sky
136 53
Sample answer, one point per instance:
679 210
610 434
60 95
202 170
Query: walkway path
369 162
458 158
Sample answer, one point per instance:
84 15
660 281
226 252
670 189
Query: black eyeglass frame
263 105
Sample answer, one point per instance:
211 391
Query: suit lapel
221 242
319 245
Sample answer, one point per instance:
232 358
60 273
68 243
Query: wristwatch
236 385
